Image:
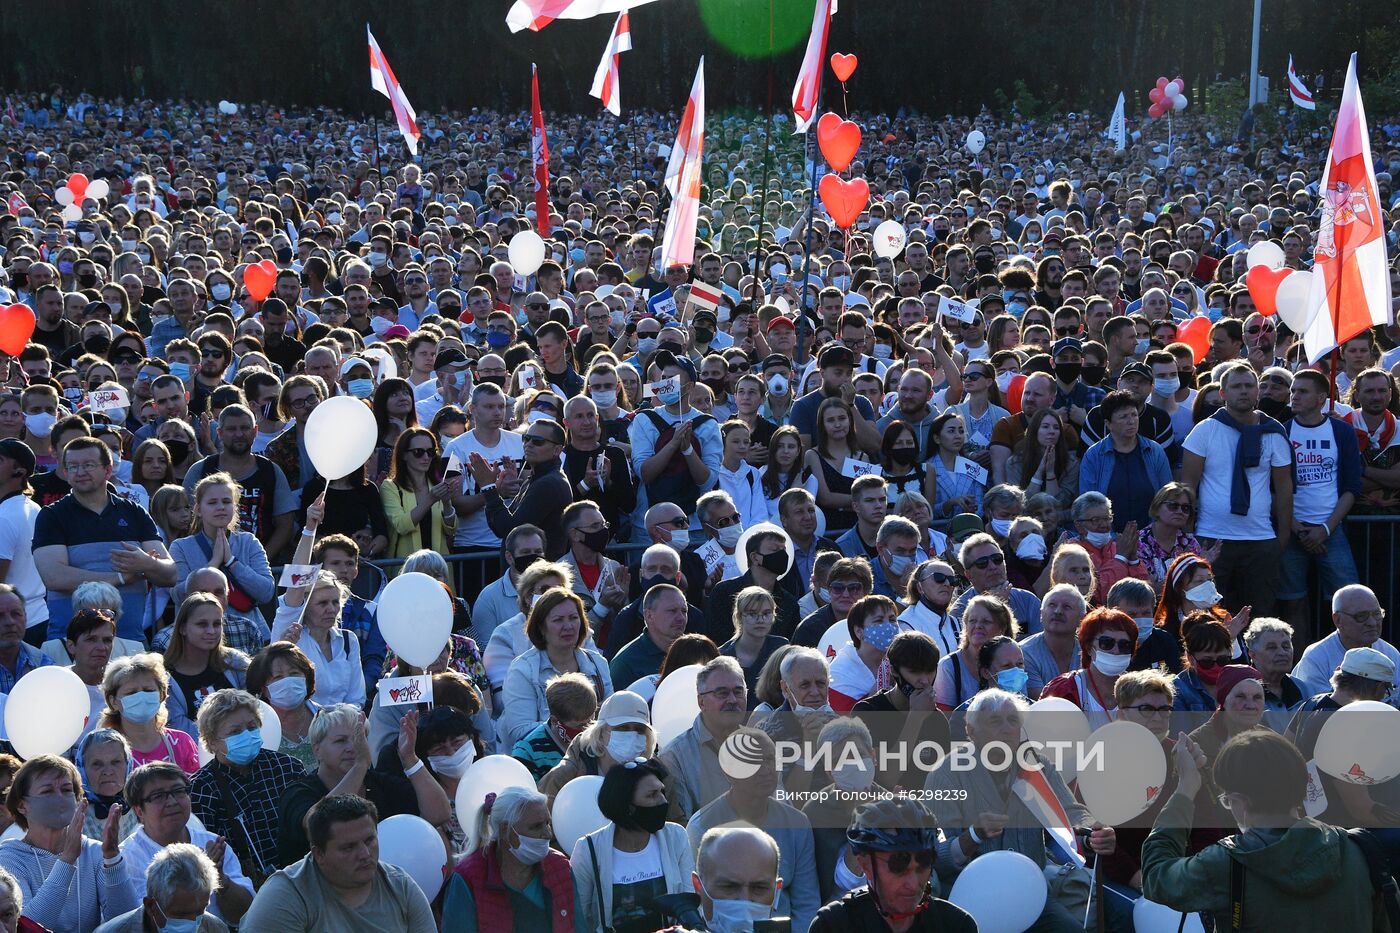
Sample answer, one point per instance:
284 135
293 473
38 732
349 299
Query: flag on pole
381 78
539 152
605 86
1118 127
1035 792
683 179
534 15
1350 281
804 93
1302 97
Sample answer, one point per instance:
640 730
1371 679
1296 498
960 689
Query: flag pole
767 166
803 322
376 149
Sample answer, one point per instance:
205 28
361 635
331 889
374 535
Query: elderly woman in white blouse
311 621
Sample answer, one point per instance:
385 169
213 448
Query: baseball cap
1066 343
398 330
963 526
449 357
623 707
1141 370
352 363
836 356
781 321
1368 663
774 360
665 358
706 315
18 451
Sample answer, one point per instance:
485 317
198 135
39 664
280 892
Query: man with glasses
536 315
600 581
159 794
500 600
666 523
1261 340
300 396
415 289
985 565
215 352
1358 618
693 756
543 490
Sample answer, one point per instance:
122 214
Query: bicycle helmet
896 824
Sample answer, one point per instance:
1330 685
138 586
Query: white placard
108 399
855 468
957 310
401 691
662 386
712 554
965 467
295 575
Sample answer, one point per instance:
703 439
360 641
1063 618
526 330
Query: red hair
1099 621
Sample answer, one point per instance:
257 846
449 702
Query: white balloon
675 706
1130 777
46 711
271 733
1265 253
576 812
889 239
1359 744
340 436
1294 300
63 195
1151 917
1057 720
1004 891
97 188
976 142
489 775
386 367
1179 102
71 213
526 252
1172 89
833 640
741 554
415 616
411 843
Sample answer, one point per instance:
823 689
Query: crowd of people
862 520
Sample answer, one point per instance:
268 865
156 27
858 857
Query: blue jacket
1192 695
1096 469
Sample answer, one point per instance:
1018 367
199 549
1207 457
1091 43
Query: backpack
674 484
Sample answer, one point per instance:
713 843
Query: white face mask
853 776
729 536
1098 538
1004 380
1204 594
734 915
1032 547
287 693
624 746
1111 665
680 540
1166 386
456 764
1001 526
531 850
1145 626
221 291
605 399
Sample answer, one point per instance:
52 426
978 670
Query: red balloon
1155 95
843 65
1181 82
839 140
259 279
1263 284
16 327
1195 333
1161 83
844 200
1156 110
77 183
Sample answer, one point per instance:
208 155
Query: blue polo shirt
90 538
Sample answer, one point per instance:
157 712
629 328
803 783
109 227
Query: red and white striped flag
534 15
1039 797
1350 281
539 152
1302 97
683 179
381 78
605 86
804 93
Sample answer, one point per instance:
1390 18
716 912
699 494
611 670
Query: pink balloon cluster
1167 95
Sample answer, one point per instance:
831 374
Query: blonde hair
208 483
1134 685
220 705
1073 550
749 599
532 575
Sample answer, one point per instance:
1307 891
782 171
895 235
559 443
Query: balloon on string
259 279
1179 102
976 141
411 843
843 66
489 775
889 239
839 140
46 711
1195 333
78 184
340 436
836 637
72 213
1264 284
1131 774
415 617
675 706
1053 720
1151 917
1172 89
1265 253
576 812
229 108
1359 743
63 196
271 732
16 327
844 200
1294 300
526 252
1004 891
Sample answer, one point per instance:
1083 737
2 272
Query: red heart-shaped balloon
1263 285
16 327
77 183
839 140
1195 333
259 279
844 200
844 65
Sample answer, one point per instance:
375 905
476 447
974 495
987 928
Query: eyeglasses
1109 643
846 588
1377 615
1256 328
419 451
726 693
1147 709
899 862
537 306
982 563
211 353
973 376
160 797
1208 663
726 521
536 440
415 281
303 403
1182 507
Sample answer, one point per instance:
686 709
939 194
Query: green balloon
755 28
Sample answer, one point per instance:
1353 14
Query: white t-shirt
637 878
17 515
1216 442
474 532
1315 452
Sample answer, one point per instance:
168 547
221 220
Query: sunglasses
449 309
126 359
1258 328
846 588
971 376
982 563
419 451
1183 507
1109 643
211 353
1209 663
536 440
536 306
1068 331
938 576
898 862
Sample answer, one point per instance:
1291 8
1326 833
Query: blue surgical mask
1016 308
669 398
140 707
243 747
497 338
1142 346
172 925
1214 314
1144 626
360 388
880 634
900 564
1013 679
182 370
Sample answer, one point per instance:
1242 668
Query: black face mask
284 255
523 562
19 280
703 336
717 386
775 563
88 280
150 295
597 540
179 450
650 819
673 347
904 455
1068 372
1275 409
99 345
1094 375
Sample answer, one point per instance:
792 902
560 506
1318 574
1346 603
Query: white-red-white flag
683 179
1298 91
539 155
1350 281
381 78
804 93
605 86
537 14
